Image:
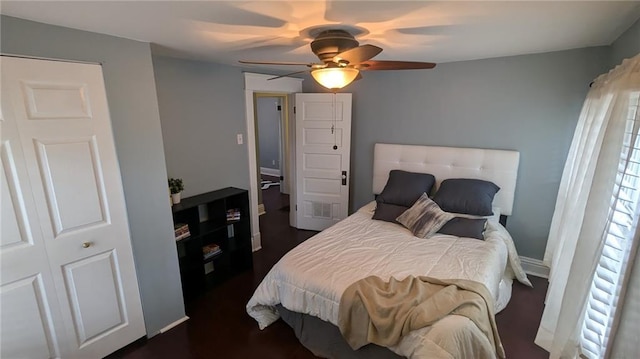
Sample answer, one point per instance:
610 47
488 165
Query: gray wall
627 45
269 131
202 109
131 93
528 103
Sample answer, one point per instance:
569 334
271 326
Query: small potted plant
175 187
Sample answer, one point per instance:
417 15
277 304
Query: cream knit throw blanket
374 311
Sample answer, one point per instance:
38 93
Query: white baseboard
256 242
174 324
270 171
534 267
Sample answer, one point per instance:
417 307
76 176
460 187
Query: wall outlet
240 141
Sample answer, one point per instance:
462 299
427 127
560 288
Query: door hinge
279 108
296 207
294 109
281 178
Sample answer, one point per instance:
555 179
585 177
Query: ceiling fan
342 59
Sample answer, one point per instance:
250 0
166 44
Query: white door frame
259 83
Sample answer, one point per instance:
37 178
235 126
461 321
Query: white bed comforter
311 278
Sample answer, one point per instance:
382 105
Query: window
622 223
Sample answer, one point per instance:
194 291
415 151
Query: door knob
86 244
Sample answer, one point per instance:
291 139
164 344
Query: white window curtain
595 219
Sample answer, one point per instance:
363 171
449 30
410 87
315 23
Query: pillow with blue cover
401 192
465 227
404 188
466 195
388 212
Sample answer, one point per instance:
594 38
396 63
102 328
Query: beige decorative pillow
424 218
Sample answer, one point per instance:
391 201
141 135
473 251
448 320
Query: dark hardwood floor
220 327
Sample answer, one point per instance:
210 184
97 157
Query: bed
306 285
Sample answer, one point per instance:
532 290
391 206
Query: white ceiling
437 31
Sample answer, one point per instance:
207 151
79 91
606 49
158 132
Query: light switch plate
240 141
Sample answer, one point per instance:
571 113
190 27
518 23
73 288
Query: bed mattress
311 278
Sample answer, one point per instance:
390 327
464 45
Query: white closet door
30 317
72 194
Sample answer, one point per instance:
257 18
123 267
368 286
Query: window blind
622 222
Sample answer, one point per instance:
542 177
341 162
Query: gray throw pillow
424 218
466 195
465 227
388 212
404 188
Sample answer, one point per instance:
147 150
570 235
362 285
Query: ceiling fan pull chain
333 126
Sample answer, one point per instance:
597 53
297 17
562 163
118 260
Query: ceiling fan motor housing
329 43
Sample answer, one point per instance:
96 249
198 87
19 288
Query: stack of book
233 215
181 231
210 250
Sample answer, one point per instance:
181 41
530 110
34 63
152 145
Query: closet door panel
31 323
62 125
27 329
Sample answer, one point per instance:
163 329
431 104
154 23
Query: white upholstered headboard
497 166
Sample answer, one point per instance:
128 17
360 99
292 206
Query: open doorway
271 121
283 88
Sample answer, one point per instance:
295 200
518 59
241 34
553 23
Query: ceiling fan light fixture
335 77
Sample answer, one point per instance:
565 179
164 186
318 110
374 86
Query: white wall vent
322 210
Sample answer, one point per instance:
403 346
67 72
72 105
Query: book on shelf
210 250
208 268
233 214
181 231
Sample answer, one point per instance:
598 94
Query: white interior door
29 311
66 254
323 148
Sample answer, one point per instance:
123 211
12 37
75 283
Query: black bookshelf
206 216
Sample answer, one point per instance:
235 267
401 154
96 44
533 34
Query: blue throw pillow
404 188
466 195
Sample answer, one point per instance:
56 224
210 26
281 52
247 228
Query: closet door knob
86 244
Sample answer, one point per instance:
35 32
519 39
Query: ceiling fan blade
277 63
358 54
285 75
395 65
